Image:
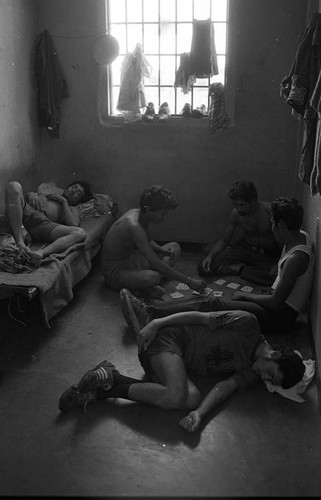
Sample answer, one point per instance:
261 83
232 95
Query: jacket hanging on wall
203 59
301 90
51 84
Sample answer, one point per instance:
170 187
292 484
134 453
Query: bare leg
175 391
175 250
15 203
63 237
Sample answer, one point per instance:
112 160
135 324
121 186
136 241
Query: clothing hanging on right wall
302 91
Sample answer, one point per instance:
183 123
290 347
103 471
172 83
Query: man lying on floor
217 343
131 259
278 310
48 216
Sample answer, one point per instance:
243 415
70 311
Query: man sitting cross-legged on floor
227 343
131 259
247 247
276 311
46 218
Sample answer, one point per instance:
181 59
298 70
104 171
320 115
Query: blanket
57 275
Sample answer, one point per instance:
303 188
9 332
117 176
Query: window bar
159 48
192 88
175 89
126 25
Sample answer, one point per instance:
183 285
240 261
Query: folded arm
149 332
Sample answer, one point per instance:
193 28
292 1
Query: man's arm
294 266
33 200
220 392
70 215
222 243
149 332
143 245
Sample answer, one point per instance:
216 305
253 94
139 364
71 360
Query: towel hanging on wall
51 84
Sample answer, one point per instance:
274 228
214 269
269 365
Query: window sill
173 122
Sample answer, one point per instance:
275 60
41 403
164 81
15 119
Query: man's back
119 242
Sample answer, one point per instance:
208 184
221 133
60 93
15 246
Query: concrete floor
255 444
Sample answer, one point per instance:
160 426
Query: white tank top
299 295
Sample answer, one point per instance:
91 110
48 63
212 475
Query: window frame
107 116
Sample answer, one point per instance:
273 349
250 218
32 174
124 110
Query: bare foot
35 258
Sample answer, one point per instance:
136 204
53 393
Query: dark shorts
37 224
169 339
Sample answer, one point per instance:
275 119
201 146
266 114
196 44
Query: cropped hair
87 191
243 190
289 210
157 198
291 365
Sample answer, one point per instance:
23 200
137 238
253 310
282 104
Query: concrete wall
197 166
19 135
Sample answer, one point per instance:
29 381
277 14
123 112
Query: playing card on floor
220 282
233 285
247 289
182 286
176 295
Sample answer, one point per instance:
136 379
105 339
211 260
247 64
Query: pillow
100 204
294 392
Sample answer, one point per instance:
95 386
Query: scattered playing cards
182 286
247 288
176 295
206 292
220 282
233 285
218 294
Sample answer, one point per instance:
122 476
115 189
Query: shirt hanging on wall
203 59
51 84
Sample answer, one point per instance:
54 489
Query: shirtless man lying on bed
131 259
48 216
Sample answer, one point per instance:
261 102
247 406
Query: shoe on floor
100 376
199 112
149 114
72 398
164 112
135 312
186 111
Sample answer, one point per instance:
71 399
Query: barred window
164 29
